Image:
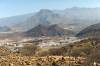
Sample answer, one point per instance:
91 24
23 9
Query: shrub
4 51
29 50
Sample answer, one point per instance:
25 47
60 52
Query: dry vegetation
83 53
18 60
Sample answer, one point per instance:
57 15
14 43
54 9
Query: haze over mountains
73 19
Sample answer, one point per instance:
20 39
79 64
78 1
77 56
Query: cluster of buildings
57 41
43 42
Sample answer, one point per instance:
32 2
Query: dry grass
19 60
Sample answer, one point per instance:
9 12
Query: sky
17 7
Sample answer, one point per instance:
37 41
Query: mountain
90 31
56 30
39 30
75 16
44 17
52 30
75 19
10 21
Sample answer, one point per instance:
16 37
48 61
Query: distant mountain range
74 19
90 31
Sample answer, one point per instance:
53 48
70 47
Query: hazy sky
17 7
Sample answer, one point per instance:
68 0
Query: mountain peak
45 11
53 30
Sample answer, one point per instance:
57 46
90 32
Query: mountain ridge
52 30
61 17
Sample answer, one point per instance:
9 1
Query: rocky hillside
52 30
90 31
